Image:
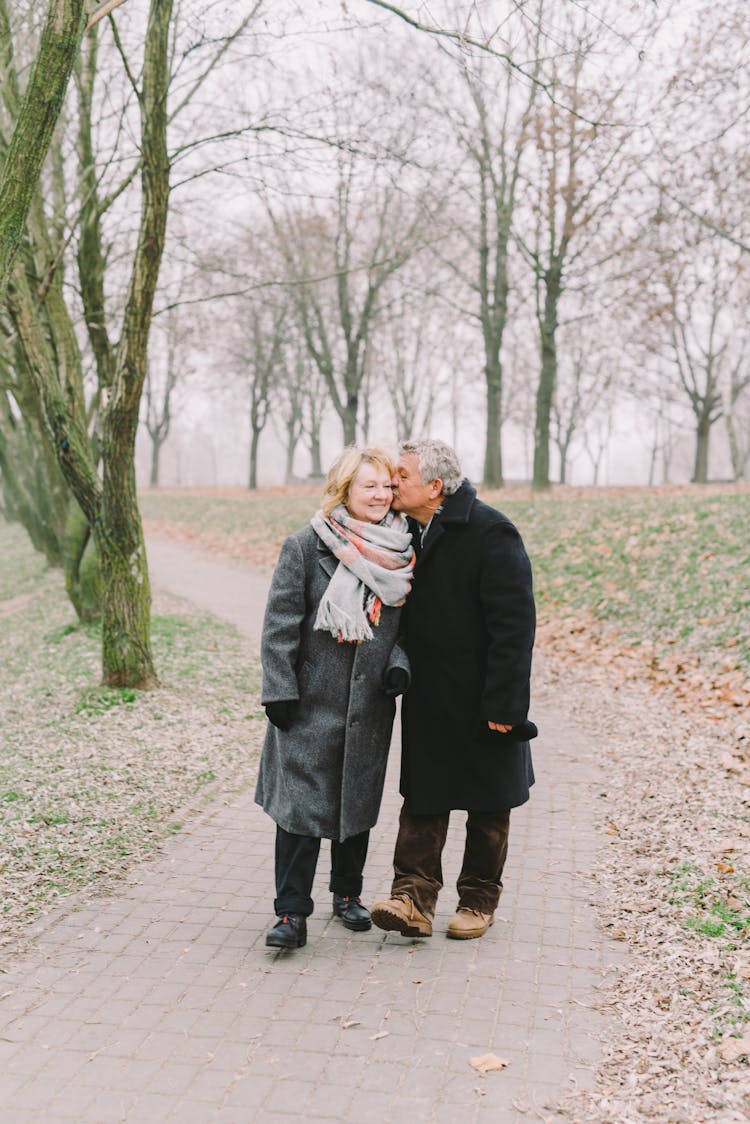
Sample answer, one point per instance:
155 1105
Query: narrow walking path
162 1003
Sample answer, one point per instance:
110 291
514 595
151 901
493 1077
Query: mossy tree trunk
52 366
126 625
82 565
36 121
42 375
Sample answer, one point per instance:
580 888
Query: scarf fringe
331 618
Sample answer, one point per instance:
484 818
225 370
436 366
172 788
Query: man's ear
436 488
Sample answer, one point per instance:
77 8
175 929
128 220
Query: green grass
711 907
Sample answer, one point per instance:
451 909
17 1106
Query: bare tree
338 262
411 353
492 131
264 357
574 186
159 389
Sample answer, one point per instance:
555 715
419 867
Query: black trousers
296 860
417 862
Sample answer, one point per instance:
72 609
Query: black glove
281 714
395 681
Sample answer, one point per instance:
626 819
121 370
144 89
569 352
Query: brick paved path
163 1004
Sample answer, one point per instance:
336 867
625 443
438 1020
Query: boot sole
393 923
466 935
356 926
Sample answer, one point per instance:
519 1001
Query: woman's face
370 493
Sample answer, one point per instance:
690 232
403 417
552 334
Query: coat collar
456 509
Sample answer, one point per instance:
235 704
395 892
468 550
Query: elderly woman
331 670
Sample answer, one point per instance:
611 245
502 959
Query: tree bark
547 378
702 438
738 458
35 125
82 565
156 444
316 459
252 476
493 453
126 623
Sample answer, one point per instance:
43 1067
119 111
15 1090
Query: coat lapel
433 536
327 561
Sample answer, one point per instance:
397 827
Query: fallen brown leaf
733 1048
486 1063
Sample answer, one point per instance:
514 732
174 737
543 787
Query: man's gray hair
437 461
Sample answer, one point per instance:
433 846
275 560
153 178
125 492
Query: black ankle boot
352 913
290 931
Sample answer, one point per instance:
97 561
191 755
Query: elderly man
469 628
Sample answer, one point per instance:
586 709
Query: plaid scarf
375 565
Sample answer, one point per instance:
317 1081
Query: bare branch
467 41
213 63
102 11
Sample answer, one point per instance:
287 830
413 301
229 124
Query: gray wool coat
324 776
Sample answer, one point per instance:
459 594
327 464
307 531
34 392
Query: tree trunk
290 449
126 619
126 624
493 456
563 454
316 466
652 463
738 459
82 565
547 378
703 433
40 109
252 477
349 420
23 500
156 444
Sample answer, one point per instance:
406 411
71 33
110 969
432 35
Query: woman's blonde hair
345 468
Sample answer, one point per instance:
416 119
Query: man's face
410 493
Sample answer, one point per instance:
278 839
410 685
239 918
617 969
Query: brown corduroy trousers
417 862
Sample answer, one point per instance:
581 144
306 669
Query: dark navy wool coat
469 630
324 776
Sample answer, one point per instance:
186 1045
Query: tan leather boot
468 923
400 915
